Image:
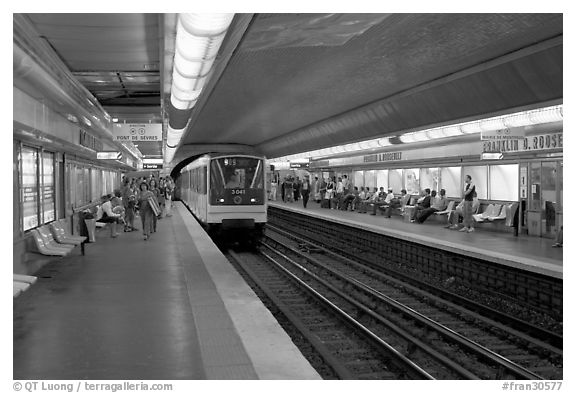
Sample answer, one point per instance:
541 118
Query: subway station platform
533 254
169 308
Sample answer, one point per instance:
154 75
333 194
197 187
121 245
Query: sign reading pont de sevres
137 132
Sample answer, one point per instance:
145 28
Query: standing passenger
161 196
316 190
146 212
468 197
305 190
129 210
168 196
297 185
289 190
273 188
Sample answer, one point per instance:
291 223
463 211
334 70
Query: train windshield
236 177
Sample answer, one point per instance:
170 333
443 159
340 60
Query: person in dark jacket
305 189
422 203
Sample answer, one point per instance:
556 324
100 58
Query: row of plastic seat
21 283
53 239
493 212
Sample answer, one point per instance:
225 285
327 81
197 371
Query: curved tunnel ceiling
323 80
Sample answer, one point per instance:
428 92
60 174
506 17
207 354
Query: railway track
488 349
518 295
351 350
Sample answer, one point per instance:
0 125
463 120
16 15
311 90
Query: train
227 194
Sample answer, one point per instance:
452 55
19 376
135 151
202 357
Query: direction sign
108 155
137 132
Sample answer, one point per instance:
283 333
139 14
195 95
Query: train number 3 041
238 192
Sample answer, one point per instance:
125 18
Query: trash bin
88 226
91 227
534 223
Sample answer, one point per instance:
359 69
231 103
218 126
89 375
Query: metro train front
226 193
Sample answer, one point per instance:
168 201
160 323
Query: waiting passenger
349 199
467 209
559 237
106 215
273 188
128 201
322 190
168 196
397 203
339 193
439 204
383 200
146 211
330 191
359 198
289 190
316 190
296 188
422 203
371 197
305 190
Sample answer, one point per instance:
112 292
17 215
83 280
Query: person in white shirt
385 202
273 188
106 215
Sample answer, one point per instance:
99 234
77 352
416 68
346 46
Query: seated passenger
383 200
370 198
359 198
440 203
397 203
106 215
349 199
422 203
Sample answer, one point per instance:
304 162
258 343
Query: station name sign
392 156
137 132
151 166
529 143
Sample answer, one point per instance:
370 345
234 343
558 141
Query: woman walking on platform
146 211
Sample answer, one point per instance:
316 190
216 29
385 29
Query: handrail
84 207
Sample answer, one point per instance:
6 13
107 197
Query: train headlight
222 200
253 200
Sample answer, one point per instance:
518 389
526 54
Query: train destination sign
137 132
